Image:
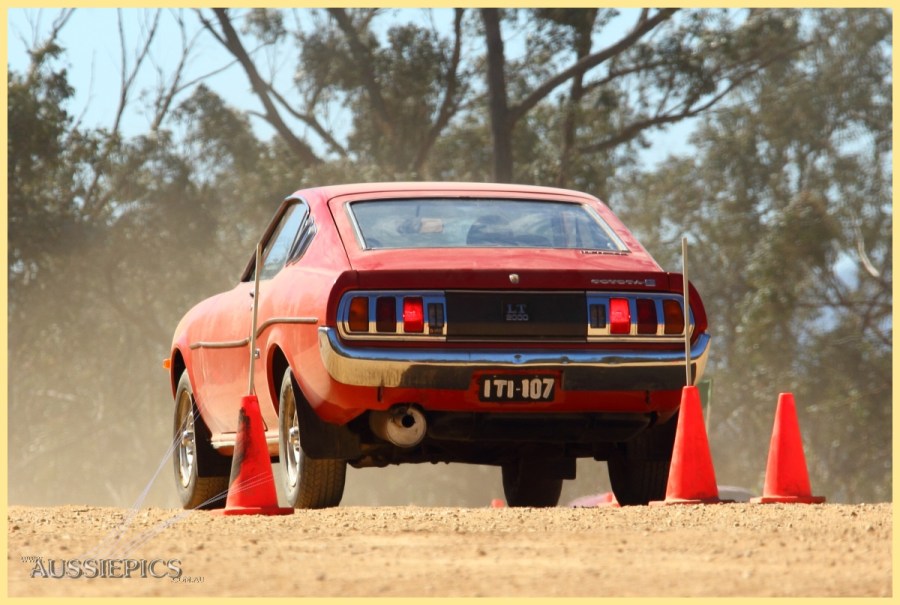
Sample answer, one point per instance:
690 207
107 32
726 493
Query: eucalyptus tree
627 76
398 91
787 204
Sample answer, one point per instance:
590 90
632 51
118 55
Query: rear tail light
358 319
386 314
646 316
436 317
422 315
674 317
413 315
395 315
619 316
598 317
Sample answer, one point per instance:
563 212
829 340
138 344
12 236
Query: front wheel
308 482
527 484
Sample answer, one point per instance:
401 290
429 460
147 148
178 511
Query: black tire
527 484
201 473
639 474
308 482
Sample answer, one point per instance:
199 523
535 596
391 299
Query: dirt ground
714 550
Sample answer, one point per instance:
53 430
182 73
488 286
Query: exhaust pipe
402 425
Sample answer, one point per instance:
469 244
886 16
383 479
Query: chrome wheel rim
290 435
187 440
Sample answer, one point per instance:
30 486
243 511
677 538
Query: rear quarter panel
301 290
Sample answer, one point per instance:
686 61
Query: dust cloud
90 461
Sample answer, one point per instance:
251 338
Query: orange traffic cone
608 499
692 478
251 489
787 479
594 500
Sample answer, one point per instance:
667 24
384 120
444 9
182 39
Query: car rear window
480 223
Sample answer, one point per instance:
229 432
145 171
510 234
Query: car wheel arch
277 365
178 367
323 439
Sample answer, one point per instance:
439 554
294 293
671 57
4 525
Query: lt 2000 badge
516 312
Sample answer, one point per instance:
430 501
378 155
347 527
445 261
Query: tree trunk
582 49
501 127
232 42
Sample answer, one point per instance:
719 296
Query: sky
94 58
93 54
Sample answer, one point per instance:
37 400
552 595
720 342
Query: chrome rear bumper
582 370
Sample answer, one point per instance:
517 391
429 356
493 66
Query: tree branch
450 103
166 97
366 69
93 207
37 50
129 77
689 109
232 42
310 121
641 28
614 74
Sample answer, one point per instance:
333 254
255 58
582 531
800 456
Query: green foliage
221 136
787 206
41 207
265 24
411 70
394 112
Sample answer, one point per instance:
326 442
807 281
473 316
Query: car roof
328 192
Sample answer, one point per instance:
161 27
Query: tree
787 206
100 227
402 95
664 69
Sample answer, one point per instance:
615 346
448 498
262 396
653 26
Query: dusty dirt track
721 550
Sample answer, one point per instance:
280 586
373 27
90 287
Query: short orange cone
608 499
251 489
787 480
692 478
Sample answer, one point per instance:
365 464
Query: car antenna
687 310
251 390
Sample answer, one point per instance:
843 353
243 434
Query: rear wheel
639 474
201 473
308 482
527 484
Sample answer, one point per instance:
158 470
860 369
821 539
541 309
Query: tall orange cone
692 478
787 480
251 489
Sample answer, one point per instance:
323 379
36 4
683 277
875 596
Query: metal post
687 311
251 389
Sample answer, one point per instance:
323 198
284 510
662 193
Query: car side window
304 238
279 247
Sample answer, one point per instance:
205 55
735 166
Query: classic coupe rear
516 326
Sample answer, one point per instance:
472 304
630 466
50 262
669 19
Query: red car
517 326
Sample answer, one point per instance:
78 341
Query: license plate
516 387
